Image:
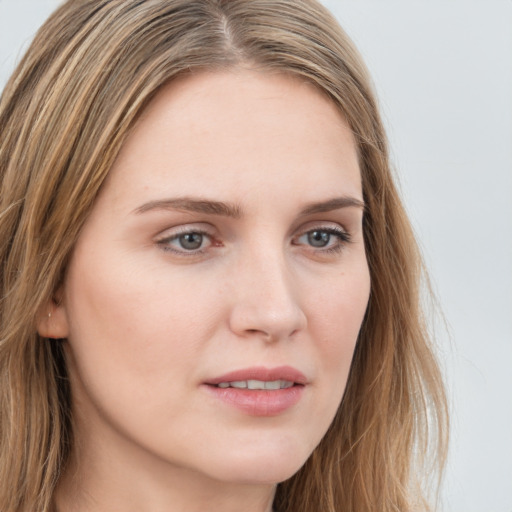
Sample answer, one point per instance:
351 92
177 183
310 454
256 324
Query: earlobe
52 321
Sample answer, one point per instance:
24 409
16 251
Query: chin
265 467
267 474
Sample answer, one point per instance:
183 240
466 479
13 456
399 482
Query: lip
262 373
259 402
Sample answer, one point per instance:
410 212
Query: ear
52 320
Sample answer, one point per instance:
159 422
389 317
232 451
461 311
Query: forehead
239 129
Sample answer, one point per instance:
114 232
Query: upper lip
262 373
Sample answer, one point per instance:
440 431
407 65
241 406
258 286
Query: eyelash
343 238
164 243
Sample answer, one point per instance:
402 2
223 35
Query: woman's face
225 253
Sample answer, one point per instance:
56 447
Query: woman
210 290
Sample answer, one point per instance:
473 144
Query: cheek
130 343
129 325
335 321
339 309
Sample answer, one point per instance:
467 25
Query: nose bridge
266 298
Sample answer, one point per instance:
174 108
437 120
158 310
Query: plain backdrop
443 73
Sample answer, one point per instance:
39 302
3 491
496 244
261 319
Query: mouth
260 377
259 391
257 384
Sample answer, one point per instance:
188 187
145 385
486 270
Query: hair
91 70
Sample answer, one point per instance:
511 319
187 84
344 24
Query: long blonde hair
64 114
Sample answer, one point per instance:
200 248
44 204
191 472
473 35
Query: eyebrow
190 204
335 203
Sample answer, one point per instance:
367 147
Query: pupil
319 238
191 241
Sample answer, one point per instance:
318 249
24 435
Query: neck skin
104 474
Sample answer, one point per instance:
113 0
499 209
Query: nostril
259 332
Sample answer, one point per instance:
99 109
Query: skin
148 320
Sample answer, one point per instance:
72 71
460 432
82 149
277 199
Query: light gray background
443 72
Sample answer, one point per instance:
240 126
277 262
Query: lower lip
259 402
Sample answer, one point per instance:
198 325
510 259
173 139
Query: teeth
257 384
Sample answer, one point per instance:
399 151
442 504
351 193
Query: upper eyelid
176 231
327 225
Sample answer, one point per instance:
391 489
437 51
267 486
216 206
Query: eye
326 239
190 241
186 243
318 238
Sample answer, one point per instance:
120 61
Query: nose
266 300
